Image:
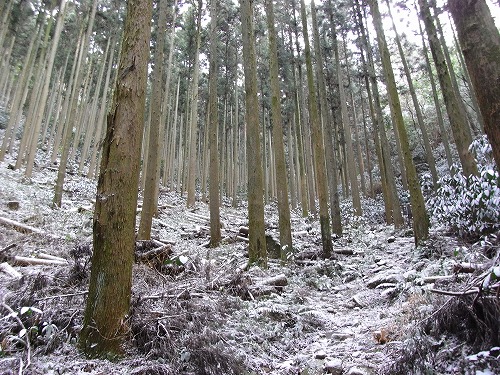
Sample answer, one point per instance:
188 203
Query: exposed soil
198 311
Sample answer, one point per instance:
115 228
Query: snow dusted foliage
469 205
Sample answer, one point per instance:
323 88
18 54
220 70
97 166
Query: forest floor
368 310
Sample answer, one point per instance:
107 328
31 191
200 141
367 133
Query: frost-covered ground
203 313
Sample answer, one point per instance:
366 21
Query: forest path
322 321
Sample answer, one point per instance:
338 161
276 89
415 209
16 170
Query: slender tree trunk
351 164
61 173
439 113
20 94
480 42
104 324
214 188
331 160
420 218
149 206
317 140
416 105
388 180
458 123
257 246
277 138
191 183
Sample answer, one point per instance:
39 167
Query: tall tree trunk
104 324
480 42
149 206
458 123
351 164
439 113
391 198
61 173
317 141
331 159
214 186
277 138
420 218
416 105
257 246
193 128
20 94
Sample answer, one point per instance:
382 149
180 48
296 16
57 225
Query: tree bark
213 129
104 325
317 141
277 138
420 218
150 203
257 246
480 42
458 123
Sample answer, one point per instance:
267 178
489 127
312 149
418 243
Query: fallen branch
278 280
20 227
344 251
8 247
457 294
51 257
25 261
63 295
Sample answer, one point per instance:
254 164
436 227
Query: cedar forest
252 187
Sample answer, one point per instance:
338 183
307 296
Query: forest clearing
253 187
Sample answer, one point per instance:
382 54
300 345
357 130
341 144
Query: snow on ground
199 314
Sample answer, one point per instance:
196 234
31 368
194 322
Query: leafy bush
469 205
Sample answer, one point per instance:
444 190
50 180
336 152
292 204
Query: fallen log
25 261
278 280
20 227
51 257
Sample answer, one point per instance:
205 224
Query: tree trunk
480 42
104 325
213 129
257 246
420 218
193 128
458 123
149 206
388 180
351 164
331 159
277 138
416 105
439 113
317 141
72 115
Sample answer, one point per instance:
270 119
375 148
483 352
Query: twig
63 295
28 345
451 293
8 247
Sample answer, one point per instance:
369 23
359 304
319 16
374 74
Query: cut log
51 257
9 270
20 227
344 251
25 261
278 280
243 231
244 239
